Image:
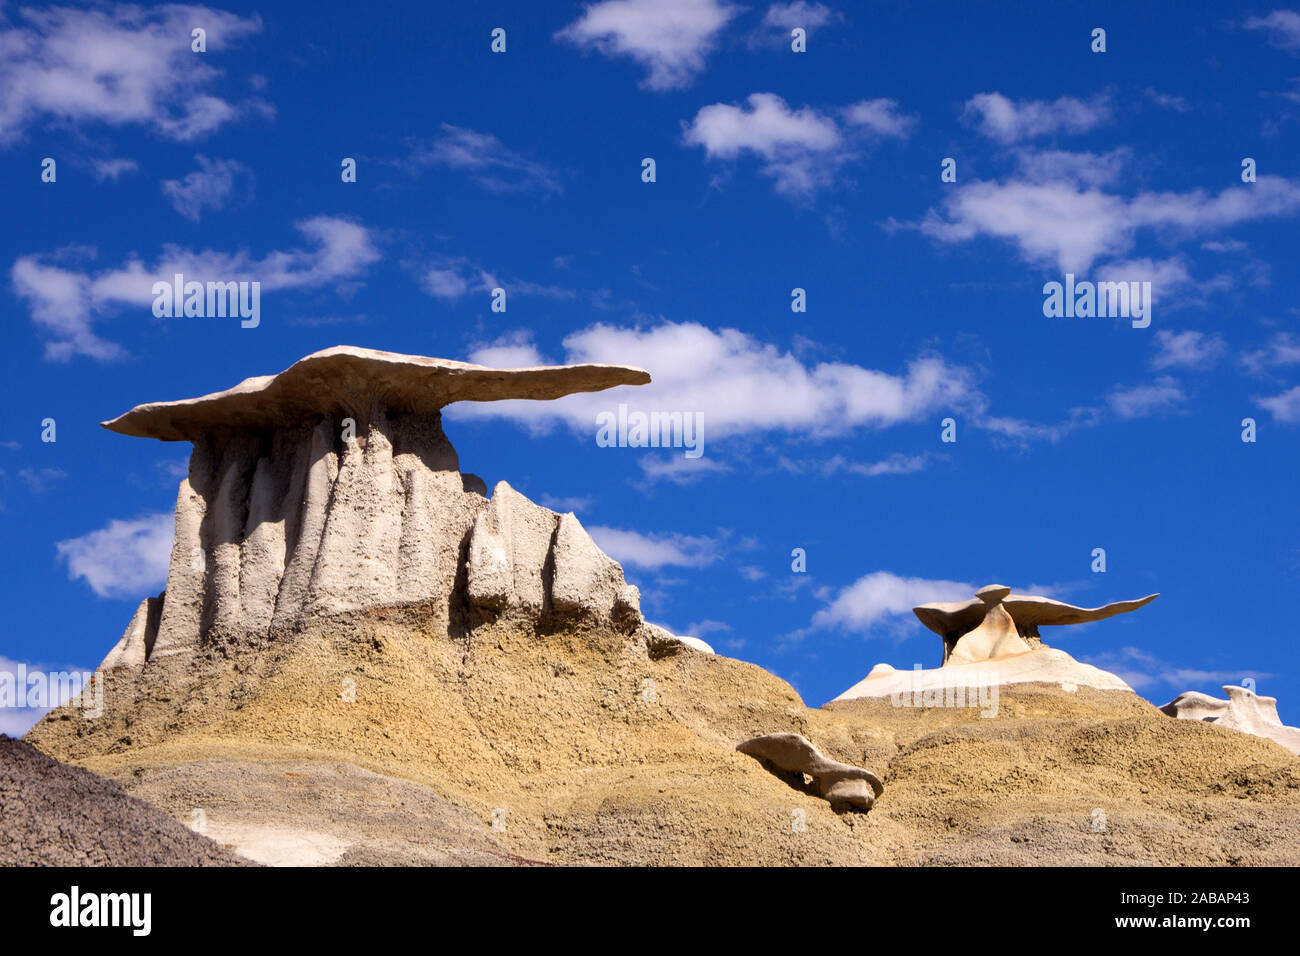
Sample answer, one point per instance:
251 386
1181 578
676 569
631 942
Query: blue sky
775 170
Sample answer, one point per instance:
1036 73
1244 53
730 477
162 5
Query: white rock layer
1244 710
331 488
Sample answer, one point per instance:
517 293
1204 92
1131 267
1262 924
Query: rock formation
997 623
1244 710
331 488
993 640
844 786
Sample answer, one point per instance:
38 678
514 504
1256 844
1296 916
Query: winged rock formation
331 488
992 640
997 623
1244 710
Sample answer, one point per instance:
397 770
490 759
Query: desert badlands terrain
363 656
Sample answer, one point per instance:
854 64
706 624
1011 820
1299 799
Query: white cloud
1122 403
1058 165
575 503
1282 350
1190 350
450 280
487 160
1168 101
1142 401
679 470
671 38
1073 226
1047 223
739 384
787 16
1139 669
119 65
801 149
1172 283
768 128
896 464
634 549
211 185
774 31
114 168
65 303
881 597
1021 432
1007 121
123 559
454 277
1284 407
513 350
880 116
39 479
1282 27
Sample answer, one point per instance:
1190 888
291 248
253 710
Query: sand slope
512 745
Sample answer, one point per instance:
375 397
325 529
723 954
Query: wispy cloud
1009 121
1072 225
453 277
210 186
575 503
1142 401
740 385
1281 27
122 559
119 65
678 470
1163 396
800 149
65 302
896 464
781 18
883 598
654 551
1188 350
1284 407
670 38
486 160
1143 670
106 169
1282 350
39 480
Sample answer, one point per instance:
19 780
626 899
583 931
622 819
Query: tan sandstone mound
1244 710
362 658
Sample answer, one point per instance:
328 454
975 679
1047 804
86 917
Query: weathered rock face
1244 710
331 488
843 785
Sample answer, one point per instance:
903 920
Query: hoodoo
996 622
993 639
331 488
